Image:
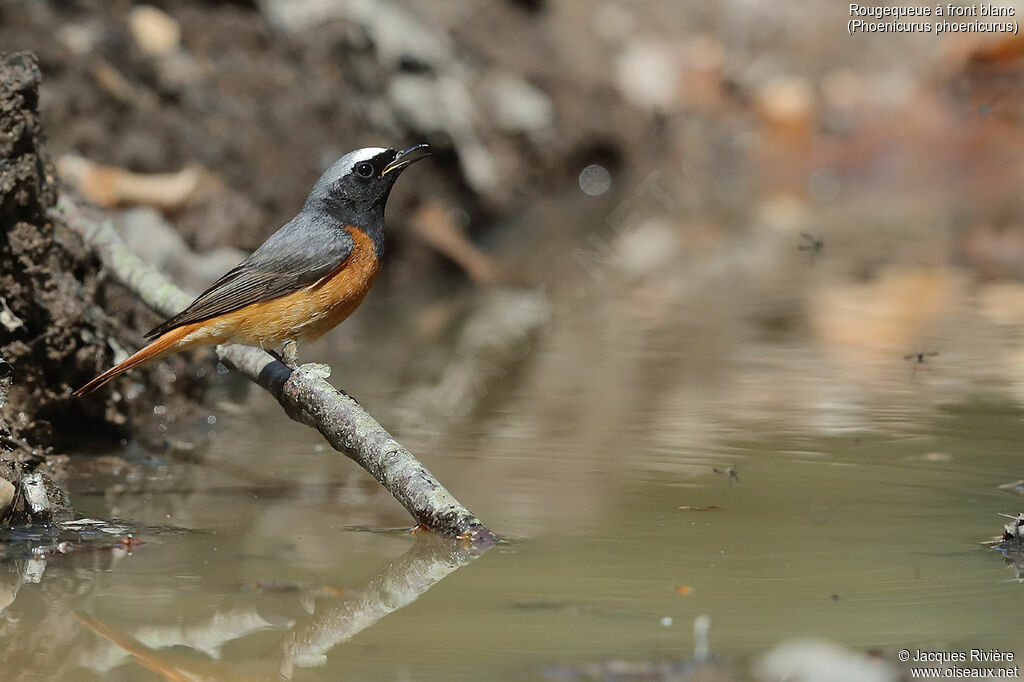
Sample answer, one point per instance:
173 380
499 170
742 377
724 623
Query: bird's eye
364 170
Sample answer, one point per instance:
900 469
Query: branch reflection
315 620
396 585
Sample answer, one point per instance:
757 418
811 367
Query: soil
267 110
55 334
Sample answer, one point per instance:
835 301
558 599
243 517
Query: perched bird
304 280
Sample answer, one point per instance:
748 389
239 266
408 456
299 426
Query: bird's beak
407 157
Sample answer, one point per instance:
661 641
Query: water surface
865 487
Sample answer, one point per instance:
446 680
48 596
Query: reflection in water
596 445
19 573
314 620
396 585
592 432
172 665
25 550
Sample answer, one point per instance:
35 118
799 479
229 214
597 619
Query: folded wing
290 259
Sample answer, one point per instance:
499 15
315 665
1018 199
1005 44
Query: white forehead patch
349 161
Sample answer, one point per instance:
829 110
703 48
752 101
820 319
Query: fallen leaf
432 224
110 186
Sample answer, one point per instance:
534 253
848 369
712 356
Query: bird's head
361 180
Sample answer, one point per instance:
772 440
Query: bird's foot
291 353
282 358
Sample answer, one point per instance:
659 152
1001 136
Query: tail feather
147 657
164 345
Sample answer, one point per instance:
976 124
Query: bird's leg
290 355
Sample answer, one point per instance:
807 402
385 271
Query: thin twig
304 393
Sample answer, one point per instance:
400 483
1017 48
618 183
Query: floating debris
46 540
284 587
704 665
1011 545
1016 487
1012 531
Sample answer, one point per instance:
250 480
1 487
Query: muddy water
863 486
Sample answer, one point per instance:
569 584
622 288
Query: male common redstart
304 280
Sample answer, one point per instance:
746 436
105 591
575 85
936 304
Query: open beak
407 157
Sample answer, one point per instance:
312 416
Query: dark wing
299 254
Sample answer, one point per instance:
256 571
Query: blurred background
713 311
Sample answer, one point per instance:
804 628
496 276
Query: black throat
373 225
342 213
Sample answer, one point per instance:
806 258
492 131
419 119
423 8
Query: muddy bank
55 331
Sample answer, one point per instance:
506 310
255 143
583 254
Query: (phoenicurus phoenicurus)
304 280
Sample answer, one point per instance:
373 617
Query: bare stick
304 393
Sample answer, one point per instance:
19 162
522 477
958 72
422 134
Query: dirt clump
54 333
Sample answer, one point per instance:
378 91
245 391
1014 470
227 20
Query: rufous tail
161 346
142 653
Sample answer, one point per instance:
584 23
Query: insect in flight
813 246
917 358
730 473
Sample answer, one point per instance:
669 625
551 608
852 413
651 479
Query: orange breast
304 315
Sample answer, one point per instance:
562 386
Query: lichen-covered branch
304 393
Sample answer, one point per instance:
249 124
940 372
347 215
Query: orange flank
304 315
683 589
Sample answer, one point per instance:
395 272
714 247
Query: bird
304 280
